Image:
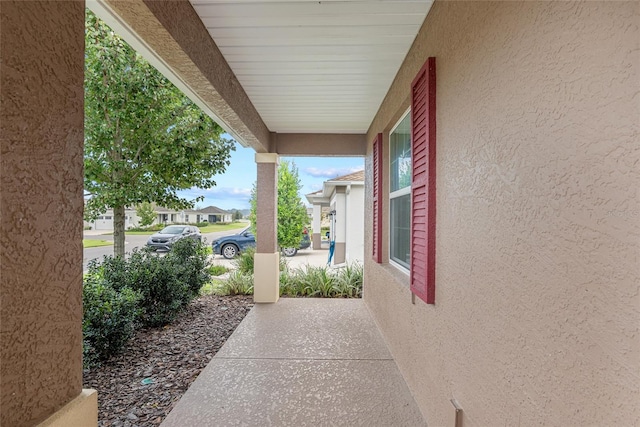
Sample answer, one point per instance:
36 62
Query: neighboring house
191 216
105 220
344 197
164 215
214 214
517 297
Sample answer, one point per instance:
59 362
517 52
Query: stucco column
266 285
317 225
339 254
41 205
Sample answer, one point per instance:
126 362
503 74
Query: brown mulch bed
141 385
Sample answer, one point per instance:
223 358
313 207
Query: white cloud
330 172
228 192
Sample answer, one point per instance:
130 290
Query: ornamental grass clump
217 270
348 282
238 283
244 262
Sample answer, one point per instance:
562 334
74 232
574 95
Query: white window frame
398 193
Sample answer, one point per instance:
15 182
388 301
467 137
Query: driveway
304 257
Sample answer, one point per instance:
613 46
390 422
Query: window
107 217
400 192
186 218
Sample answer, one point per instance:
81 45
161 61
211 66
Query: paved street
132 242
304 257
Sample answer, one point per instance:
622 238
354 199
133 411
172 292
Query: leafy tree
292 214
146 213
144 140
237 215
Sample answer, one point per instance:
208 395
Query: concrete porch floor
301 362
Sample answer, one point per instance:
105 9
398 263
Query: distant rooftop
212 210
356 176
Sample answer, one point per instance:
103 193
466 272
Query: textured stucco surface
537 312
267 207
41 142
301 362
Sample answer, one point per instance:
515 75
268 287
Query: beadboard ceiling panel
314 66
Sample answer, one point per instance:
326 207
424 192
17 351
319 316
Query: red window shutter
423 183
377 199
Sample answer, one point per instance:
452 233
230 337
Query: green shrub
217 270
189 259
163 294
119 294
154 227
238 283
109 317
166 283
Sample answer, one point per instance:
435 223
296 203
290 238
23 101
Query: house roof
212 210
352 177
323 196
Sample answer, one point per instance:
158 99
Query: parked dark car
171 234
230 246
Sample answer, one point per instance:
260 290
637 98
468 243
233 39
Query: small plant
323 282
244 261
217 270
238 283
349 281
318 281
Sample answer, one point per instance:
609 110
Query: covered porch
537 309
301 362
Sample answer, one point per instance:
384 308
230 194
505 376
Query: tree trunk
118 231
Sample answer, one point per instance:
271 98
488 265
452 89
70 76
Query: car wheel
289 251
229 251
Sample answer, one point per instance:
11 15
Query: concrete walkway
301 362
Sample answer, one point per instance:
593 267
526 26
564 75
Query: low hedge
143 290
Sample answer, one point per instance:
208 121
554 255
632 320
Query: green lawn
94 243
211 228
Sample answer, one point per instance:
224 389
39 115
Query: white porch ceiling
314 66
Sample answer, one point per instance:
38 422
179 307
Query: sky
233 187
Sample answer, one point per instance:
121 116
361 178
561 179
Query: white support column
339 255
317 225
266 285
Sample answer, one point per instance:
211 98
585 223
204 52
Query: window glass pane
400 229
400 155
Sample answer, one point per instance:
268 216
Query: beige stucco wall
41 186
537 312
